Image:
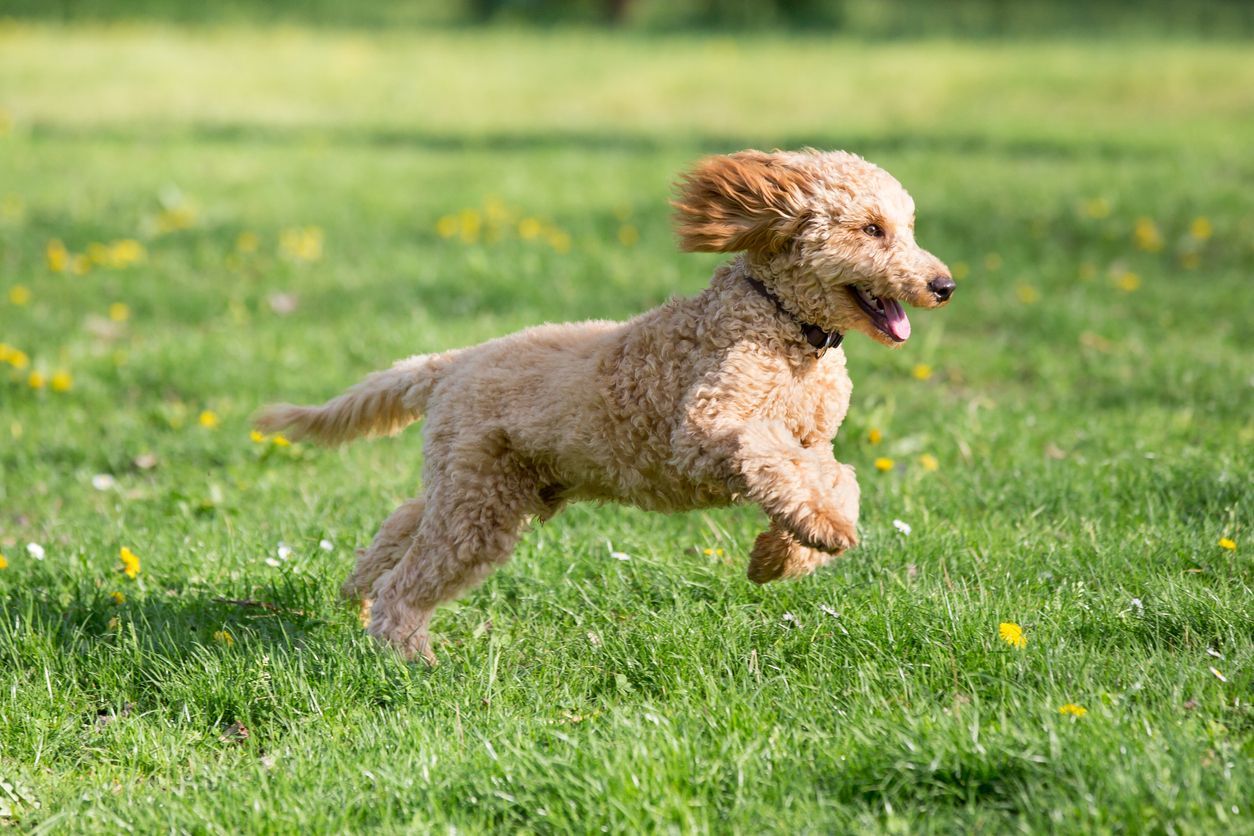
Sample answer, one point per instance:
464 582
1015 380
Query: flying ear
744 201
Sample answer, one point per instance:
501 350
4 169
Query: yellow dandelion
628 235
280 440
119 312
35 380
1228 543
130 563
1201 228
992 261
1012 634
175 218
883 465
494 208
1128 282
61 381
1073 710
209 419
98 253
224 637
929 462
17 358
469 223
922 371
301 244
960 270
529 228
446 227
19 294
559 241
57 256
874 436
118 598
1147 236
126 252
247 242
258 437
4 562
713 552
1097 208
1028 294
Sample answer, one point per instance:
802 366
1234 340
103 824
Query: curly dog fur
702 402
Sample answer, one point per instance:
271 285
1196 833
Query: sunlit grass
194 223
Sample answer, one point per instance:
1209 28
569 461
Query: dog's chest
813 399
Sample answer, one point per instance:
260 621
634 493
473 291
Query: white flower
828 610
1137 605
789 618
285 551
103 482
620 555
1210 651
326 545
270 561
35 550
903 527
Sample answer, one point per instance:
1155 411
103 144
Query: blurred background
872 18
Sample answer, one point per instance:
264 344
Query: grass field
275 212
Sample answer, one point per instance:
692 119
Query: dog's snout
942 287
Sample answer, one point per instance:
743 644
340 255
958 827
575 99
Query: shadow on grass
265 658
880 776
587 141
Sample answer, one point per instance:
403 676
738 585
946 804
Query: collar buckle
818 339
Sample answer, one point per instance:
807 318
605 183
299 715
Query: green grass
1094 443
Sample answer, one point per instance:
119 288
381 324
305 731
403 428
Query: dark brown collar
818 339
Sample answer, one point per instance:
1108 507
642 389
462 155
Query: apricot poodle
731 396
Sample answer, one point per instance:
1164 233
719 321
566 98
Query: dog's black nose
942 287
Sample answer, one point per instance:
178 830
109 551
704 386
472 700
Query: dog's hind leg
385 551
473 518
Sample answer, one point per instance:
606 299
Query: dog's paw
777 554
825 530
406 635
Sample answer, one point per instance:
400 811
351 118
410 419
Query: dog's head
829 233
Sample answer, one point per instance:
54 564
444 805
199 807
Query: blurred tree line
874 18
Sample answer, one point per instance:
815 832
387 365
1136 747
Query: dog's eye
874 230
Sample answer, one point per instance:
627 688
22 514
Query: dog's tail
383 404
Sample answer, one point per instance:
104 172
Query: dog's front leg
804 490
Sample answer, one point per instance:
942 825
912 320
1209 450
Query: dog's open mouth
885 314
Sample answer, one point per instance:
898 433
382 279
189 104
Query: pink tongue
895 318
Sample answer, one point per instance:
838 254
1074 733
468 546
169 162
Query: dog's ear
745 201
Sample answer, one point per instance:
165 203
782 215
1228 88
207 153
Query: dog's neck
818 339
